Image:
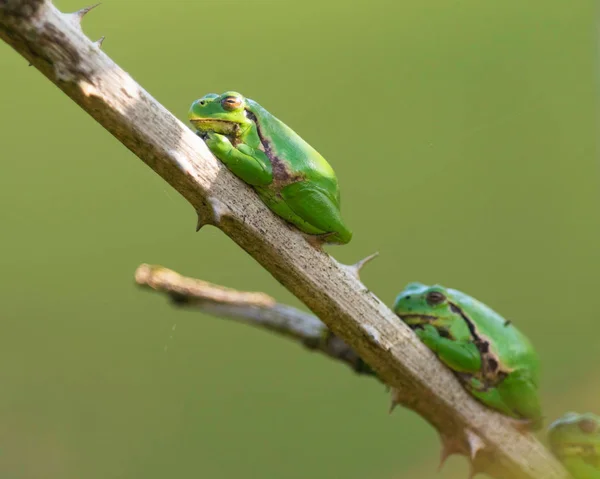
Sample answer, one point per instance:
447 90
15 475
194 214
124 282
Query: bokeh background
464 137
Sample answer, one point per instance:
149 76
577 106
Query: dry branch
54 43
255 309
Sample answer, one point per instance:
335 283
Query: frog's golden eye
435 297
587 426
231 103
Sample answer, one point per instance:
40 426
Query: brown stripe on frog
490 374
281 174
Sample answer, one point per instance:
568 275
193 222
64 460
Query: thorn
99 42
76 17
354 269
476 444
449 448
30 65
395 399
217 211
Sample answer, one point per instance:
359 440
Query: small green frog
492 359
575 441
290 176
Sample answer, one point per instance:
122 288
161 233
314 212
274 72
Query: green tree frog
575 441
491 358
290 176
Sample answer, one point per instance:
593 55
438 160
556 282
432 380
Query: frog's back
512 345
288 146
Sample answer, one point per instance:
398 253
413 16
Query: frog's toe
317 241
524 426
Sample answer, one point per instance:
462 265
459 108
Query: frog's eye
435 297
231 103
587 426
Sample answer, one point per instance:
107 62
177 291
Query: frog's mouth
414 320
587 452
211 125
570 449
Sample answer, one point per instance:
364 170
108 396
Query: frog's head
576 435
420 304
223 114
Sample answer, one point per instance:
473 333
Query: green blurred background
463 134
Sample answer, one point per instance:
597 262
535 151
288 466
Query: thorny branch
54 44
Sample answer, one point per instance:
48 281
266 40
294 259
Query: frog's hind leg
490 397
515 397
520 393
318 209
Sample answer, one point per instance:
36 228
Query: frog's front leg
491 397
458 356
251 165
